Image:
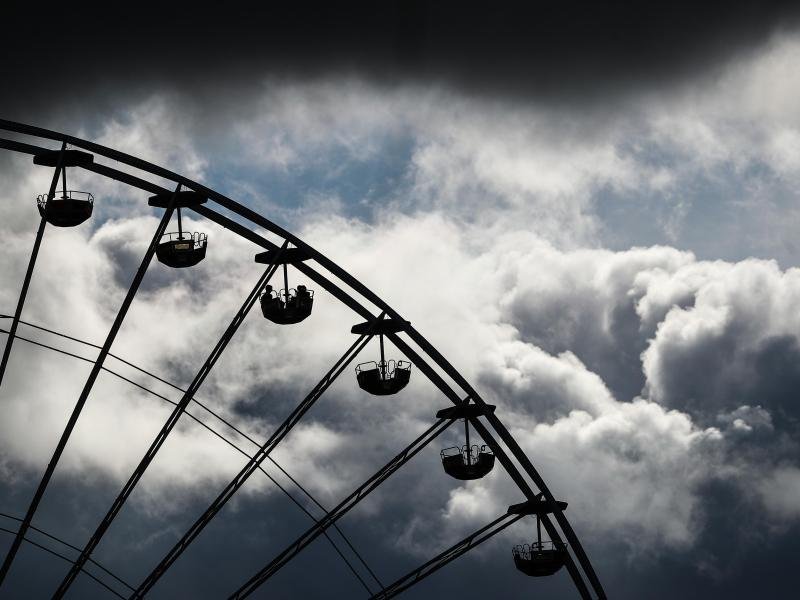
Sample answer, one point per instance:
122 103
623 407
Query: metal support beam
213 432
161 437
341 509
87 388
253 464
29 273
422 365
448 556
518 454
574 543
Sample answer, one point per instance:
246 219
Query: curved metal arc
70 546
69 560
342 296
499 452
228 203
224 201
221 437
438 358
358 308
518 453
353 283
351 302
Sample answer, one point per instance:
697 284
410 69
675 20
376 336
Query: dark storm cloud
738 555
72 54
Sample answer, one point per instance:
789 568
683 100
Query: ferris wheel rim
427 349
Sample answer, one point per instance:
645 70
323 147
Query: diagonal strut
341 509
453 552
87 388
161 437
253 464
29 273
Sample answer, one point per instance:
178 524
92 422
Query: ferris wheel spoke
458 549
217 434
29 273
342 508
96 368
168 426
263 453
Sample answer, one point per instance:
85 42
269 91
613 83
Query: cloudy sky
591 212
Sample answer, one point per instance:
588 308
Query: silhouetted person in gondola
303 295
283 307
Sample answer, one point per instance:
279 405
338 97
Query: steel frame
447 556
167 428
516 463
340 510
238 481
216 434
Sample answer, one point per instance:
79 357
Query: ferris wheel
283 304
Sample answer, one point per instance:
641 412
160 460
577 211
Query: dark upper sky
550 51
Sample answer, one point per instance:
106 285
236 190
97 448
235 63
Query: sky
590 210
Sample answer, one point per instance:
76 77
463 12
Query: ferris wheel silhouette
282 307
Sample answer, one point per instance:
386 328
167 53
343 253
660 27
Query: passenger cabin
289 305
467 462
71 207
180 249
383 378
540 559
